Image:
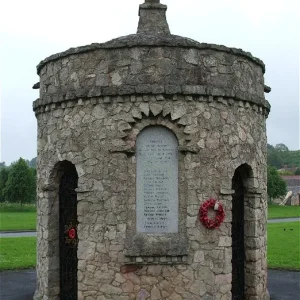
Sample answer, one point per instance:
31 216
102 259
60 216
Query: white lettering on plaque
157 181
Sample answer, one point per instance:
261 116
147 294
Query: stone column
153 18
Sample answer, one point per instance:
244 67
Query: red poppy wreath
203 213
72 233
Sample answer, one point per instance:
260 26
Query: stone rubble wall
151 71
216 135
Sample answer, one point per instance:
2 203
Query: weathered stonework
94 101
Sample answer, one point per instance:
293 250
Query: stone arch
146 123
248 235
174 117
178 131
49 237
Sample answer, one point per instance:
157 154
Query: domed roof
153 30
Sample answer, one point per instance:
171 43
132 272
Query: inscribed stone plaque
157 181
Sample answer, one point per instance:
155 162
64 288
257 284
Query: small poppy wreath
72 233
203 213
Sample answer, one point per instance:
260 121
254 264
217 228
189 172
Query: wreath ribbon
203 213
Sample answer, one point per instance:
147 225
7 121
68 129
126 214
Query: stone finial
153 18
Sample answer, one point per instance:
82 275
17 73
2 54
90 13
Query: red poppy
72 233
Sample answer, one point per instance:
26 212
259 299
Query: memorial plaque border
140 247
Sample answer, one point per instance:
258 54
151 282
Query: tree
20 183
297 171
33 184
276 185
281 147
275 159
281 157
32 163
4 171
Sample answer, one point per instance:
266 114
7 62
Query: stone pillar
153 18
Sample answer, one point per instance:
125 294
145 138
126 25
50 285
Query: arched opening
239 182
68 239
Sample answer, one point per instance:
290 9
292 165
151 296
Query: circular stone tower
134 135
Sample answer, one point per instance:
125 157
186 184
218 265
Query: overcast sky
31 30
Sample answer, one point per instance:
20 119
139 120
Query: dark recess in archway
68 239
238 232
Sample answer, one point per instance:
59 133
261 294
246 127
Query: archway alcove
60 197
68 239
245 231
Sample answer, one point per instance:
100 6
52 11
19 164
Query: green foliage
285 172
21 183
4 171
33 184
275 159
17 253
281 147
297 172
283 245
280 156
276 185
31 163
291 158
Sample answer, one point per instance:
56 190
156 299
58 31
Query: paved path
283 285
284 220
17 285
17 234
33 233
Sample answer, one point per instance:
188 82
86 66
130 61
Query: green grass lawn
276 211
16 207
17 253
13 217
284 245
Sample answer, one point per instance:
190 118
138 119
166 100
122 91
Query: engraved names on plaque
157 181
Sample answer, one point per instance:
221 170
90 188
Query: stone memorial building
136 138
